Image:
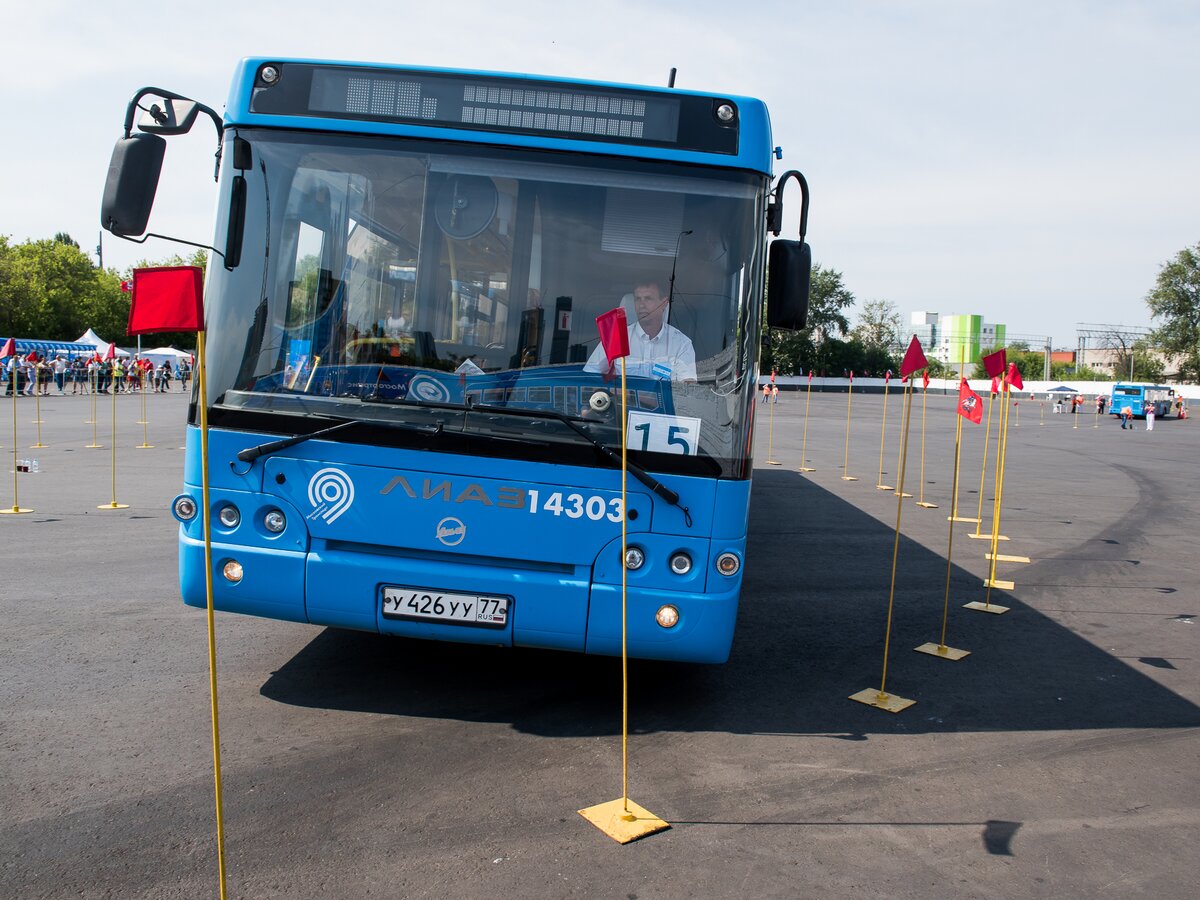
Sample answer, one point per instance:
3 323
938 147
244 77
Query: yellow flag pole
206 509
921 502
870 696
622 819
804 467
879 485
37 396
987 437
16 508
114 504
940 650
771 460
846 476
899 491
145 444
991 581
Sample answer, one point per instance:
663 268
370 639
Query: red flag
994 363
614 334
969 404
995 385
925 380
111 353
126 287
168 298
914 358
772 376
810 376
32 357
1014 377
887 376
9 349
852 376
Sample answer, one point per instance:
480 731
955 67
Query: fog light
185 508
667 616
232 571
229 516
728 563
681 563
274 521
725 112
634 557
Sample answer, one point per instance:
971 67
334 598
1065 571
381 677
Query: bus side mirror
132 181
789 269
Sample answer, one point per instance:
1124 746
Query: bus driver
656 348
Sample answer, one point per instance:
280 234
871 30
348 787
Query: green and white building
956 338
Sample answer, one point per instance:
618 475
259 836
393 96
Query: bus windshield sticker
663 434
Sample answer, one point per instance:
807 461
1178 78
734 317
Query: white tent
159 355
90 337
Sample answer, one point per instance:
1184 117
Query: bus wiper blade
252 453
637 471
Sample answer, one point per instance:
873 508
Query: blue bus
1141 397
410 432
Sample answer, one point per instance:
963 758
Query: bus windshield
392 280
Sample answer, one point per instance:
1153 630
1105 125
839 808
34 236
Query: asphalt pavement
1057 759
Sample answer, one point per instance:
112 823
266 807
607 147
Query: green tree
1175 301
878 325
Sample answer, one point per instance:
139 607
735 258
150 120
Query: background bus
413 263
1141 397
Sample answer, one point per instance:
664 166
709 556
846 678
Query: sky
1032 162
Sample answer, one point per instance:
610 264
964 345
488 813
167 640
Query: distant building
954 338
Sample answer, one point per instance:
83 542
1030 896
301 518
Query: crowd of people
84 375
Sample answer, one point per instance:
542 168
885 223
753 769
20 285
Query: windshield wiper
571 422
252 453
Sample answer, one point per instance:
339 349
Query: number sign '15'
663 434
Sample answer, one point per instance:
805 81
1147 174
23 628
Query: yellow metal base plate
37 446
999 584
93 446
986 537
925 505
993 608
774 462
884 487
970 519
849 478
1001 557
805 469
942 652
14 511
114 505
876 697
905 495
622 826
144 447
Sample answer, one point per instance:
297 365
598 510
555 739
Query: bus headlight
681 563
232 570
229 516
184 508
274 521
634 558
728 564
667 616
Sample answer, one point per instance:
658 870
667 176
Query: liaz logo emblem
451 531
331 492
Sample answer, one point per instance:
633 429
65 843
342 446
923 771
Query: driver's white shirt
669 354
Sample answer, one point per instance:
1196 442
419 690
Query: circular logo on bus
428 389
331 492
451 531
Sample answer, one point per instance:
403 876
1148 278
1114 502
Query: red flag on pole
914 358
1014 377
994 363
9 349
852 376
614 334
887 376
995 385
925 380
969 404
111 353
169 298
810 376
32 357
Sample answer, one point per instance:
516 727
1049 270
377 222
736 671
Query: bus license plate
423 603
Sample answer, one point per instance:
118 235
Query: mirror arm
131 111
775 207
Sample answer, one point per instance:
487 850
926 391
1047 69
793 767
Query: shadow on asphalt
810 633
